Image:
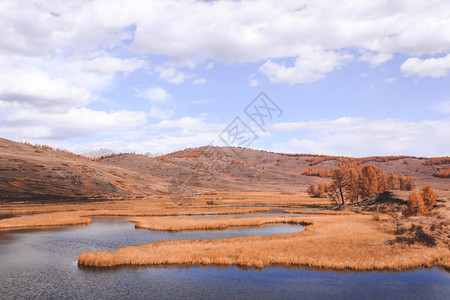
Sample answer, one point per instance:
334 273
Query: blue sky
356 79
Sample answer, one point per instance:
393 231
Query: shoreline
74 218
320 245
224 223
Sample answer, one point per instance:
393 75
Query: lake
43 264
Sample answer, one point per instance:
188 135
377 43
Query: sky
354 78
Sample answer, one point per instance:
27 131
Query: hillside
41 173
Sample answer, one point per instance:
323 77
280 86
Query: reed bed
286 199
178 224
82 217
44 220
333 242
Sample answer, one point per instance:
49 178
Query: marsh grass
82 217
334 242
178 224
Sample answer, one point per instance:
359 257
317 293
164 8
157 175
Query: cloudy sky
358 78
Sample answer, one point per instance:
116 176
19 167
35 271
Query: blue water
42 264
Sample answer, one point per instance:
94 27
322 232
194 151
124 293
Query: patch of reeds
332 242
178 224
44 220
82 217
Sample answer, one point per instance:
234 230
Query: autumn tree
351 182
320 190
316 192
415 205
354 183
340 182
311 191
402 182
382 182
429 197
392 182
409 184
369 181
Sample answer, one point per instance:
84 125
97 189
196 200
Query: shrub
318 172
409 184
429 197
415 205
311 190
316 192
442 173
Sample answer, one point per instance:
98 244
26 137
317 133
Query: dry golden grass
336 242
44 220
220 199
78 213
82 216
271 199
178 224
352 241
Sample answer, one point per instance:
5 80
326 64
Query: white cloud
155 94
199 81
253 81
31 86
172 75
431 67
74 123
443 107
108 65
390 80
228 30
311 65
376 59
189 123
147 142
242 31
364 137
60 55
156 112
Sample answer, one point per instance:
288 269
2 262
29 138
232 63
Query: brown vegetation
437 161
415 205
40 173
336 242
57 219
354 183
356 160
443 173
421 203
79 217
318 172
318 192
178 224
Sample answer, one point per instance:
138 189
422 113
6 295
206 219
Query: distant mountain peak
97 153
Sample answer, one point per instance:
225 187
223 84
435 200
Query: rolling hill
40 173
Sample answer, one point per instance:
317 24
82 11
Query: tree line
353 183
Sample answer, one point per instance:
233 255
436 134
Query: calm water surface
42 264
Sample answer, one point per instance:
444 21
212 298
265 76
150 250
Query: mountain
97 153
40 173
30 172
149 154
